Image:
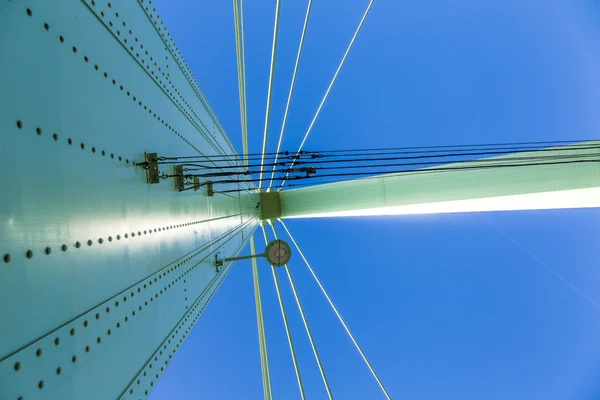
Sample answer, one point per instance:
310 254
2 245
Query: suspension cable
243 47
269 92
333 80
262 338
238 51
305 321
337 313
285 322
289 99
262 342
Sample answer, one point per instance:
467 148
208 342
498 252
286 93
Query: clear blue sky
446 307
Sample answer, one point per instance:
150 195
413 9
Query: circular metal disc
278 253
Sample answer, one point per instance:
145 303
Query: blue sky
465 306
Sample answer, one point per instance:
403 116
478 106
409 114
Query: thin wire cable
269 93
554 142
377 174
323 158
395 150
305 321
262 338
337 312
429 163
334 79
358 162
285 322
289 99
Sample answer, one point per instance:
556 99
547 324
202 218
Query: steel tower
102 266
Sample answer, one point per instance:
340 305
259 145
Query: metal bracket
151 160
178 177
218 263
209 189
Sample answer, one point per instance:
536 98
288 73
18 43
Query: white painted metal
571 180
86 88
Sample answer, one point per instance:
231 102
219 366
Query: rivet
29 254
7 258
48 250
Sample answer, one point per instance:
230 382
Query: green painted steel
101 274
570 185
